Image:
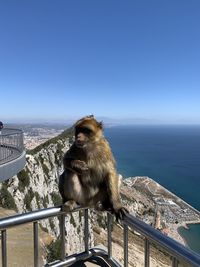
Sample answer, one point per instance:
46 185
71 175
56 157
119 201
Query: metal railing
11 144
178 252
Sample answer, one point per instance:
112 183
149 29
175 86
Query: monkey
90 178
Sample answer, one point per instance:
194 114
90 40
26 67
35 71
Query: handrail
10 131
151 236
11 144
28 217
174 248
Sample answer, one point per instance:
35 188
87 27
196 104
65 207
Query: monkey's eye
83 130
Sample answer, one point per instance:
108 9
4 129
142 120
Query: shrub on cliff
24 180
6 199
54 250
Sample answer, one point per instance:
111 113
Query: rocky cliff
36 187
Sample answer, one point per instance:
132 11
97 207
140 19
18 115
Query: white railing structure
178 253
11 144
12 152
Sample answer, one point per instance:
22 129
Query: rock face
36 187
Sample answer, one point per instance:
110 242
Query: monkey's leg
71 191
65 183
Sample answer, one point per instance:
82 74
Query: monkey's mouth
80 143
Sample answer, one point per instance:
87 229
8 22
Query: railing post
146 253
36 247
62 236
125 245
86 230
109 222
174 262
4 248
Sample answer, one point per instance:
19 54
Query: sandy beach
174 233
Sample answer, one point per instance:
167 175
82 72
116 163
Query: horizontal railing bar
174 248
32 216
156 237
84 256
10 131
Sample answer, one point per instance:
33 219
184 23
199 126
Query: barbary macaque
90 178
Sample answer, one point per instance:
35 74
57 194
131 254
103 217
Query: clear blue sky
120 59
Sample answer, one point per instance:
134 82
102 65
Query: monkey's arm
75 165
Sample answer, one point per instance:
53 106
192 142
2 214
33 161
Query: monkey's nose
79 143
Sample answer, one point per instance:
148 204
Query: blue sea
168 154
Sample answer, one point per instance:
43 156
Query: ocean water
168 154
192 236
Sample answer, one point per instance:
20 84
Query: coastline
171 212
175 234
190 235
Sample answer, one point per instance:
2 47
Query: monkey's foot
120 213
69 206
99 206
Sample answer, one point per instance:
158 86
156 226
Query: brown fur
90 177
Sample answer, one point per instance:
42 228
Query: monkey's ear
100 124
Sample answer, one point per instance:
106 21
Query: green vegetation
51 222
37 196
44 166
102 221
54 251
72 221
45 169
56 198
28 198
45 201
24 180
6 199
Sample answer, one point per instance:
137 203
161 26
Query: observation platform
12 153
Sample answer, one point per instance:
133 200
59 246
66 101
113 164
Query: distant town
36 134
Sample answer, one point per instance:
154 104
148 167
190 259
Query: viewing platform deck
12 152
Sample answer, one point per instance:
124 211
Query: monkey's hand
79 166
120 212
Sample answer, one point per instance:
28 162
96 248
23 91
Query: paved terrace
12 153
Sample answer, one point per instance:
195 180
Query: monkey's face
87 131
82 136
